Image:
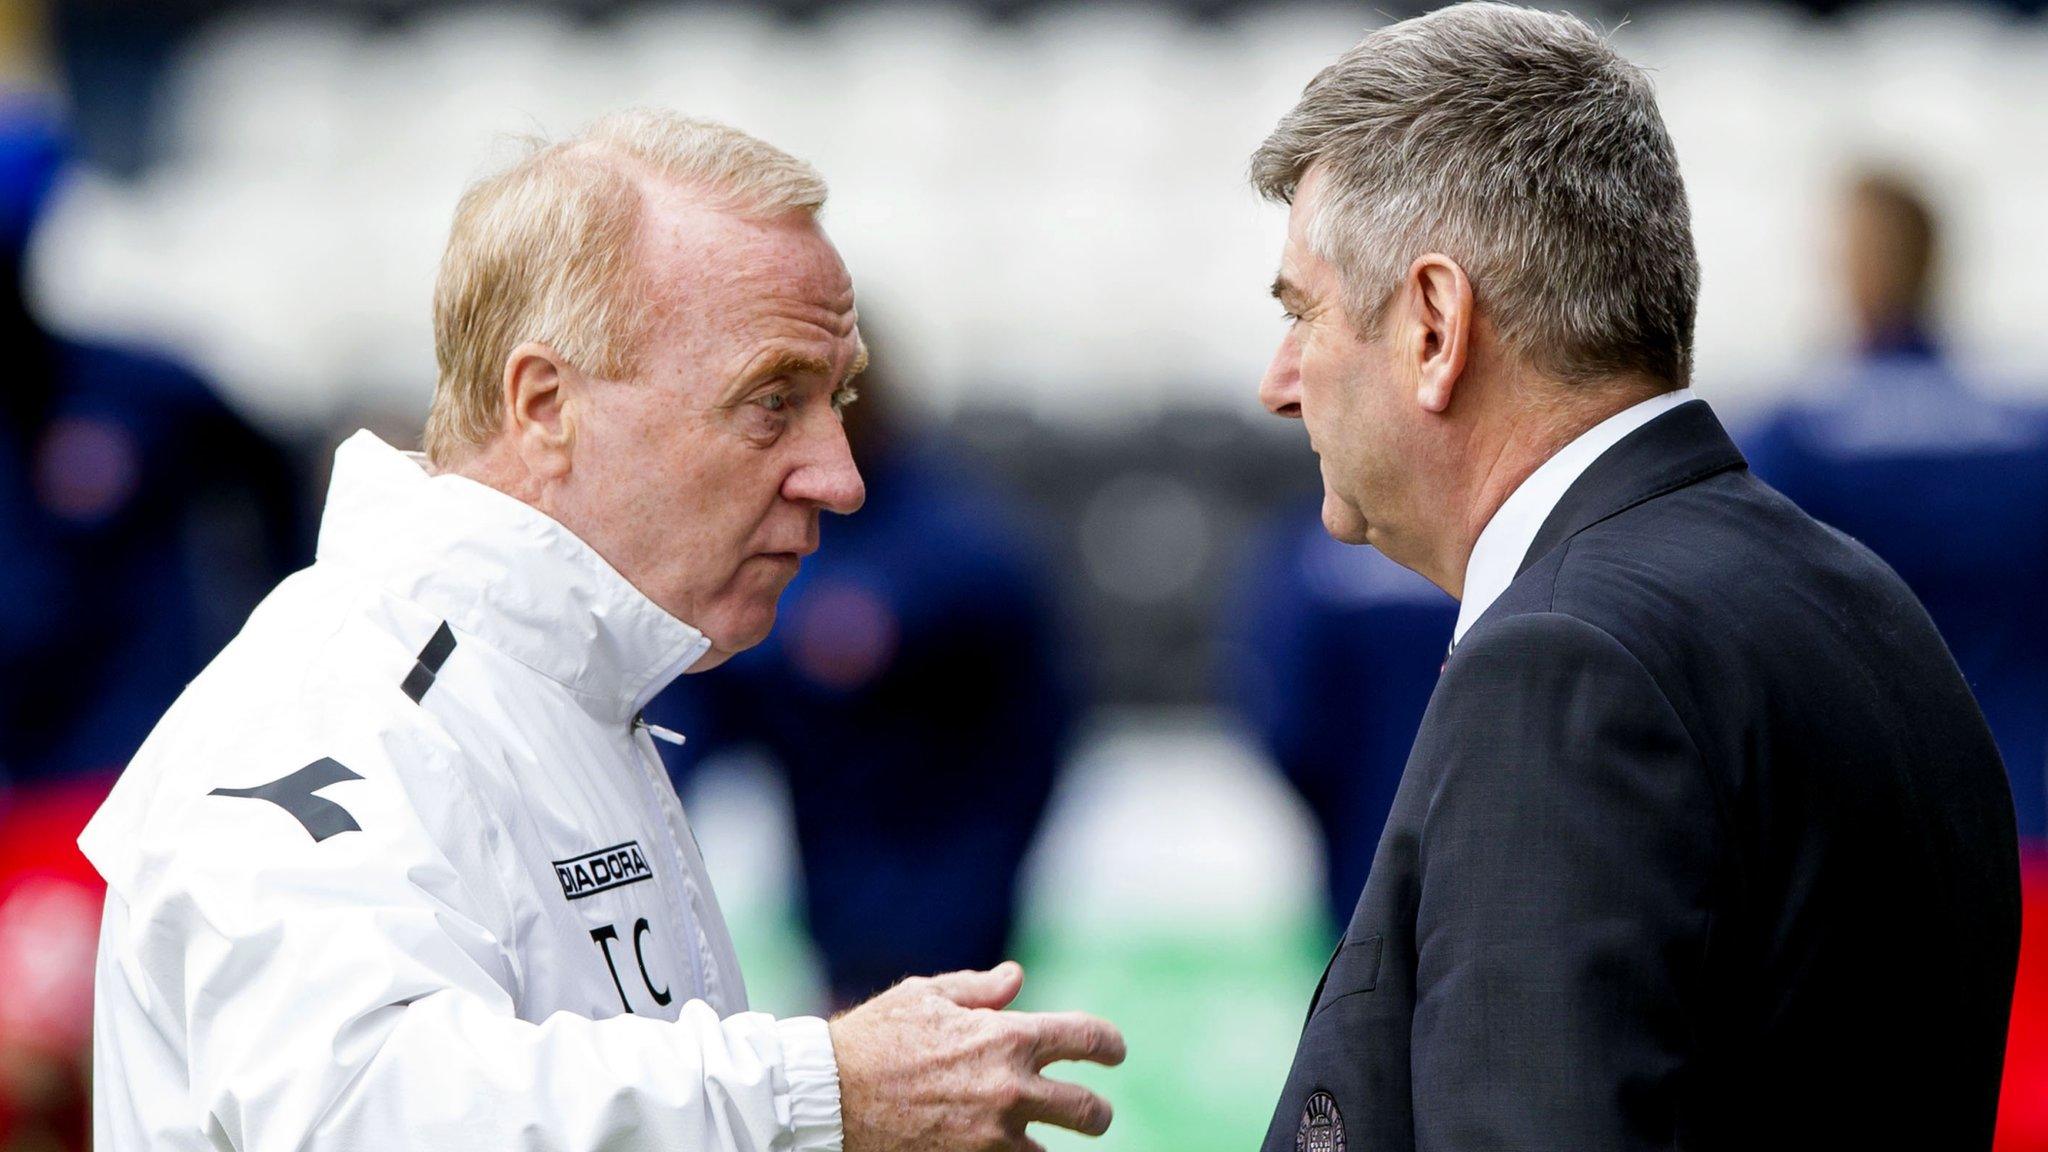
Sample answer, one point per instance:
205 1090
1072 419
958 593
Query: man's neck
1521 442
495 467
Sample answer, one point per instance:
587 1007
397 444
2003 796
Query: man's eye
774 401
1289 317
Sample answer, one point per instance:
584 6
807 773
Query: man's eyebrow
781 364
792 364
1284 289
859 365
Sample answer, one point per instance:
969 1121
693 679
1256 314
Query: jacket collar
1679 448
504 572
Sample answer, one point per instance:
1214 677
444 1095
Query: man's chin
731 637
1343 522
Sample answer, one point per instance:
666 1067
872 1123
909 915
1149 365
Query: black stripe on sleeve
431 658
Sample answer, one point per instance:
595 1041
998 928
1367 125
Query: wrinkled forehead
706 263
1301 266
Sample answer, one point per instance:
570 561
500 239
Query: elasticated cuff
813 1078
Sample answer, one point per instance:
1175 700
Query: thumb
994 988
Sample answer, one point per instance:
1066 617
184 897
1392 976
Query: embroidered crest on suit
1322 1127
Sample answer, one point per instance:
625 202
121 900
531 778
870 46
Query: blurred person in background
140 520
401 868
1898 448
1703 842
143 519
1332 652
919 693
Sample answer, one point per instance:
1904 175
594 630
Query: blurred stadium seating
1051 206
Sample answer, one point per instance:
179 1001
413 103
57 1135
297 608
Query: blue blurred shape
918 690
1950 487
140 518
1331 652
33 148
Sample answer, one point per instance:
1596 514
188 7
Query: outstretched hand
935 1065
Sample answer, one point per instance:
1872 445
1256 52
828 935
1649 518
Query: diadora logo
602 870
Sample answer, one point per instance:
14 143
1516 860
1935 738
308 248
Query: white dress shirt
1505 540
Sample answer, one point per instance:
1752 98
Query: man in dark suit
1703 842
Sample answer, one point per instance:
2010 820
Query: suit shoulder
1536 687
1525 631
1728 561
1735 601
1527 647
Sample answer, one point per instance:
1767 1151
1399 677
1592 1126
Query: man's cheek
1315 398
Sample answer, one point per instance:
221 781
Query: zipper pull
665 735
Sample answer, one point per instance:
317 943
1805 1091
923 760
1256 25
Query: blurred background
1084 683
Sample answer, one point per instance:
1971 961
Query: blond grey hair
546 251
1521 145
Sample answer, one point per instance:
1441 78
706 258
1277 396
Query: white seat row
1055 208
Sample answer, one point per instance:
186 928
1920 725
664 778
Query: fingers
1074 1036
994 988
1019 1142
1064 1104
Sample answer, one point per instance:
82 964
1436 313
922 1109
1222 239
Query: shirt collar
504 572
1497 554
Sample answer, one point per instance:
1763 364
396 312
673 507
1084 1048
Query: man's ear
540 408
1440 319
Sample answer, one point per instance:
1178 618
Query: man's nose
828 478
1280 388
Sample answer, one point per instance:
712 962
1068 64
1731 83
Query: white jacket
401 868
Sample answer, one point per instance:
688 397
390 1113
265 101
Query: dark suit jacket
1702 844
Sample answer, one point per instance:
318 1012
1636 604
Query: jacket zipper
665 735
650 763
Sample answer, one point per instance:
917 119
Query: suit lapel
1679 448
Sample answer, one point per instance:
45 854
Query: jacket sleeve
1566 858
357 991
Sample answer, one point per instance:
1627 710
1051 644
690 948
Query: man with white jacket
401 869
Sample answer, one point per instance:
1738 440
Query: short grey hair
546 250
1521 145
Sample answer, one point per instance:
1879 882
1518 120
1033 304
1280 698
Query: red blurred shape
2023 1103
50 900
